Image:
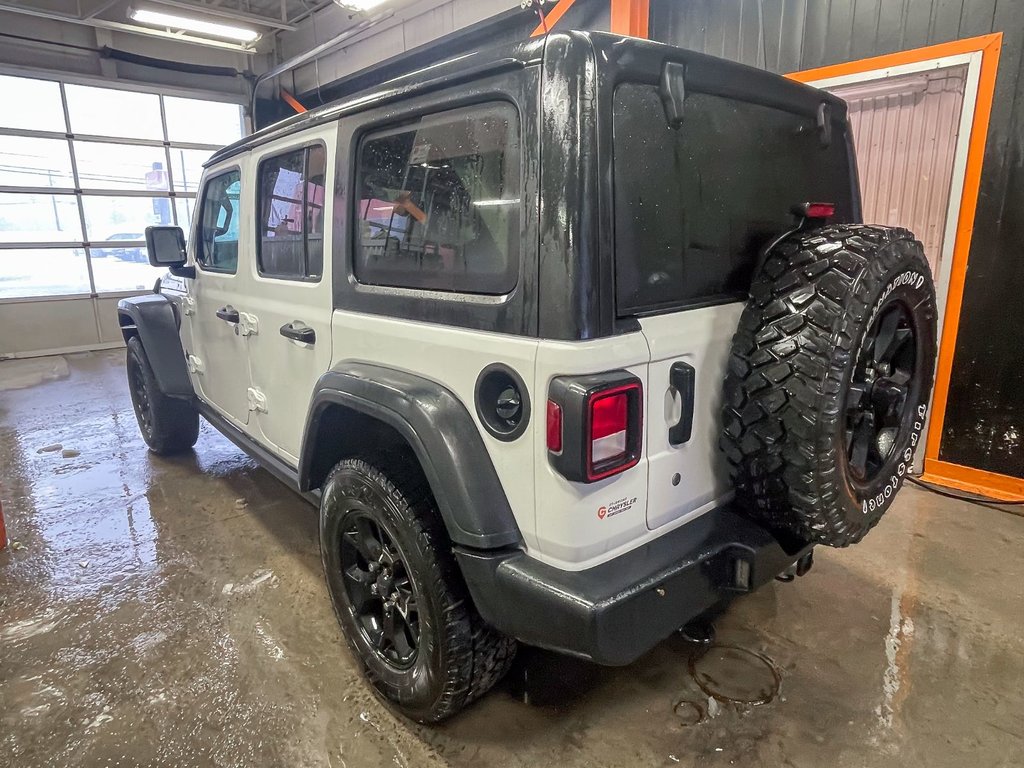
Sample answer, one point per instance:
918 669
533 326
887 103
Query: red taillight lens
609 420
554 427
819 210
613 431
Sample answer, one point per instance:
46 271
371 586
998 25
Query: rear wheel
829 379
168 425
399 596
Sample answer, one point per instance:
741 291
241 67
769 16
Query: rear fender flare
442 435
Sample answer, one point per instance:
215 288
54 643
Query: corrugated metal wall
905 129
984 424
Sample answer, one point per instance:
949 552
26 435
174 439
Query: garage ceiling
264 17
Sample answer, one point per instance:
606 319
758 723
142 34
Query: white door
289 297
218 360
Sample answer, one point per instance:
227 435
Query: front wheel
168 425
399 596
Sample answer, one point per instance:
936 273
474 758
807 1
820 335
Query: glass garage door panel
31 218
120 166
32 162
42 272
202 122
124 218
110 112
39 107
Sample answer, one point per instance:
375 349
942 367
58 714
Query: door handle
298 331
683 378
228 314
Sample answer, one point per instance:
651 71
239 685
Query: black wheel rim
882 391
379 590
140 398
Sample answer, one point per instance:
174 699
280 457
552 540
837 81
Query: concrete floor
173 612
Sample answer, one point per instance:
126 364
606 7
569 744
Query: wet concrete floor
172 612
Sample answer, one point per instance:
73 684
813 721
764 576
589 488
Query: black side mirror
166 246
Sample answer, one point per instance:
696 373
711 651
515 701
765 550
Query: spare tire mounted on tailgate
829 378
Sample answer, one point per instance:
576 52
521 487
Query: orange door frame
936 470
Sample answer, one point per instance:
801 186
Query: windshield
694 206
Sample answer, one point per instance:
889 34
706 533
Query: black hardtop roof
608 48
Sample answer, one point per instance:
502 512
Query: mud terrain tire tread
175 422
798 337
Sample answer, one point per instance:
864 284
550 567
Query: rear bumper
615 612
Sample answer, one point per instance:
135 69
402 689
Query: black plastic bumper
617 611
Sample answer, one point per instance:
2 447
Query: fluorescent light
501 201
193 25
359 5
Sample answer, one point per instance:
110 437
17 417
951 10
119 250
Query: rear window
439 201
694 206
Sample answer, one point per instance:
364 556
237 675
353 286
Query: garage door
83 171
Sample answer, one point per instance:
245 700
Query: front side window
217 237
438 203
290 241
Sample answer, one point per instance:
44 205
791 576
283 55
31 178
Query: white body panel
454 358
702 338
264 381
222 374
285 371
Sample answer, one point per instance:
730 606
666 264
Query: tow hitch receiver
799 568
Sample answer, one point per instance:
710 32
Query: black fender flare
443 436
153 318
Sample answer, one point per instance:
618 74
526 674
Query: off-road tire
168 425
459 658
788 389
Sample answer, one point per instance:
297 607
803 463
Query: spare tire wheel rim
379 589
883 395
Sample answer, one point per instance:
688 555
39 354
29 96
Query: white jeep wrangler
554 339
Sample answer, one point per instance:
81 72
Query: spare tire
828 381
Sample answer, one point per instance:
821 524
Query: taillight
815 210
595 425
554 427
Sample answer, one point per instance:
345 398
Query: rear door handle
683 378
298 331
228 314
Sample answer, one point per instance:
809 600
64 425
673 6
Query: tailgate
687 475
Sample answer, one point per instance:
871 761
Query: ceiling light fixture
187 24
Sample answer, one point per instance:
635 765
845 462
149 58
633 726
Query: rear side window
290 241
438 203
694 206
218 224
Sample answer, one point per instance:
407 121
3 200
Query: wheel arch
364 408
153 319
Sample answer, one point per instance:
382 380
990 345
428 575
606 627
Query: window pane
187 168
27 162
695 206
39 218
217 240
185 207
42 272
123 268
38 104
115 218
291 208
110 112
202 122
438 203
120 166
